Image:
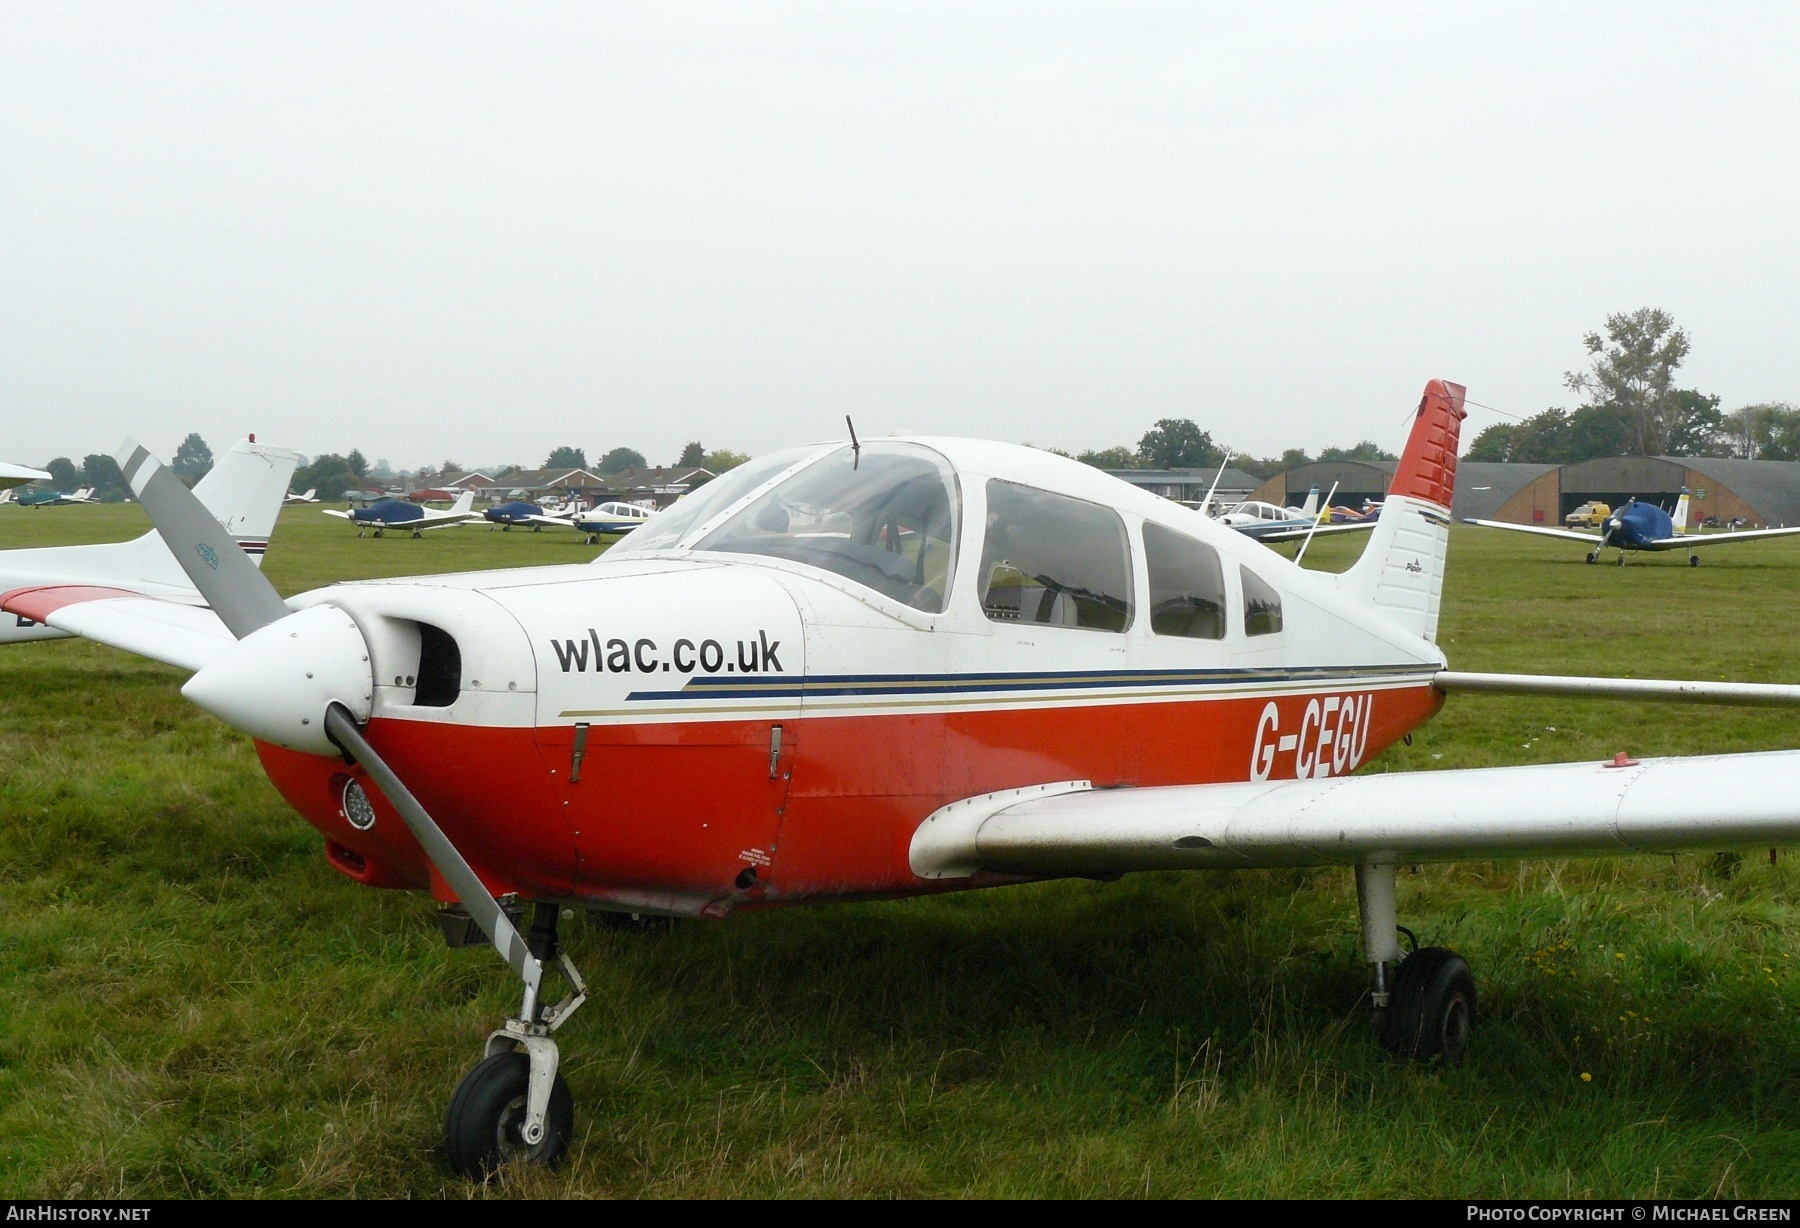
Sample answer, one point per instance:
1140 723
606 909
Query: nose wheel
1593 556
1424 1002
514 1105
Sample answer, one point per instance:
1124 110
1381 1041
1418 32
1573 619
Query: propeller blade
462 878
236 590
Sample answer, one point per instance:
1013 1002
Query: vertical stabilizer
1311 506
464 504
1681 512
1401 571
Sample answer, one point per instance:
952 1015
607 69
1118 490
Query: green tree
1698 428
724 459
64 476
1110 458
1367 450
1493 444
331 475
566 458
1176 443
621 459
359 464
193 459
1632 370
103 474
1766 431
692 456
450 467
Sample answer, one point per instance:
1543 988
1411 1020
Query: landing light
357 807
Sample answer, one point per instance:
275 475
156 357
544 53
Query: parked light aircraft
54 498
611 518
399 514
506 515
311 496
242 492
1642 526
1268 522
899 667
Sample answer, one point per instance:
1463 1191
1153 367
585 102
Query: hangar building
1755 494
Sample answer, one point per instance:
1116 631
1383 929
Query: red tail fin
1428 466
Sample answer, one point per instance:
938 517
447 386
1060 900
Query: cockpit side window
885 519
1054 560
1262 605
1187 585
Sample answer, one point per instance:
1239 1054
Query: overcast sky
479 231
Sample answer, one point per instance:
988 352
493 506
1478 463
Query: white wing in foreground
1564 809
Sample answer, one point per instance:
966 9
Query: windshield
672 524
888 522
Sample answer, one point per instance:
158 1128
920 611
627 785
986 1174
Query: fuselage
759 699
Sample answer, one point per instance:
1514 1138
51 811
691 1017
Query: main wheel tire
481 1130
1594 557
1693 560
1431 1012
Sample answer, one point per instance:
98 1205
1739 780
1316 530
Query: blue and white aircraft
400 514
612 518
1642 526
506 515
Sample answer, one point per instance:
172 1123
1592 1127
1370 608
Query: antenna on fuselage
855 447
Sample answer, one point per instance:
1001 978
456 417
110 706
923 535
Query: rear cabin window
1187 585
1053 560
1262 605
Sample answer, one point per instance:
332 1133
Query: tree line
1634 408
1176 443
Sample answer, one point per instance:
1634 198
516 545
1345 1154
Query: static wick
855 447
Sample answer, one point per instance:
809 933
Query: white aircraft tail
1311 506
465 503
1680 516
1401 571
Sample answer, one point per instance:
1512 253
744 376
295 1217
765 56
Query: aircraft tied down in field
899 667
400 514
1642 526
1269 522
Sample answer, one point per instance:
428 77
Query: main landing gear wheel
377 532
1621 558
1693 560
485 1126
1594 557
1424 1003
1431 1013
417 535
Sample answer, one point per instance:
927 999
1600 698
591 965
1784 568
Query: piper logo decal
1333 734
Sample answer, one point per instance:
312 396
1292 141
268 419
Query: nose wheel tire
482 1130
1431 1013
1594 557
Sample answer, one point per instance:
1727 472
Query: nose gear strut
503 1109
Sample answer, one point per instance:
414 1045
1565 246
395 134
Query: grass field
193 1003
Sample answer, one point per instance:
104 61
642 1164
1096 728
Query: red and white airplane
898 667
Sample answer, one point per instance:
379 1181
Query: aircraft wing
433 522
558 521
1693 541
1549 810
1591 539
1324 530
332 511
175 633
